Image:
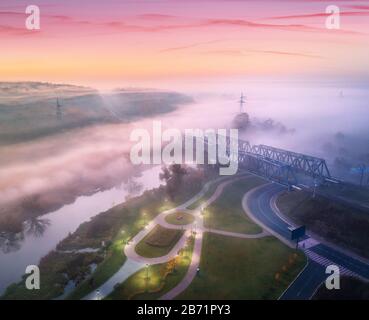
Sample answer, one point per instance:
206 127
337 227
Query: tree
173 176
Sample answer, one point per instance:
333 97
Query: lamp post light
98 296
175 262
125 237
315 186
147 277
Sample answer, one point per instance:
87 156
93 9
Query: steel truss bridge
279 165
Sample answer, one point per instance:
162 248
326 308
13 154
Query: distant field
338 223
29 110
348 191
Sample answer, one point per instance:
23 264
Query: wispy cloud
189 46
13 31
319 15
360 7
187 23
247 52
156 16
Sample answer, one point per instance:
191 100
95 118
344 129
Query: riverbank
108 232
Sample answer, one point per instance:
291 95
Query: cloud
14 31
11 14
193 45
273 52
319 15
156 16
156 24
360 7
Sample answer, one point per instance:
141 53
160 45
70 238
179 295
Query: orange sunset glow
173 39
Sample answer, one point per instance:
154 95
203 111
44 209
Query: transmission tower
242 102
58 110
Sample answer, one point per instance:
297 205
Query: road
258 204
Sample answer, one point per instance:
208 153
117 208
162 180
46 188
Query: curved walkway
135 262
195 262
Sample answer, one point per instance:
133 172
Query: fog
326 121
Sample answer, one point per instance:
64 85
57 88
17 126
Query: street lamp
98 297
175 260
147 277
315 185
125 239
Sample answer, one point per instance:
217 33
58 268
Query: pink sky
120 41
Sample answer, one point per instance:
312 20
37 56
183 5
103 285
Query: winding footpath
135 262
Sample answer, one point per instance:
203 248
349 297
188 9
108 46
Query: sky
119 42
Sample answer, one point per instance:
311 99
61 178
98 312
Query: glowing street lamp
98 296
175 260
147 277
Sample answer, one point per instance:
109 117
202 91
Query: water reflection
36 226
11 242
133 187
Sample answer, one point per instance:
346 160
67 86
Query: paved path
135 262
195 262
129 268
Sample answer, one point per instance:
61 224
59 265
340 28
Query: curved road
258 203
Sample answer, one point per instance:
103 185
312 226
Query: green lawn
226 213
162 278
158 242
209 192
180 218
234 268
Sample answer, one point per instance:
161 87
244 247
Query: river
27 251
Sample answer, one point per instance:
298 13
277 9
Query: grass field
226 213
158 242
234 268
338 223
162 278
209 192
180 218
